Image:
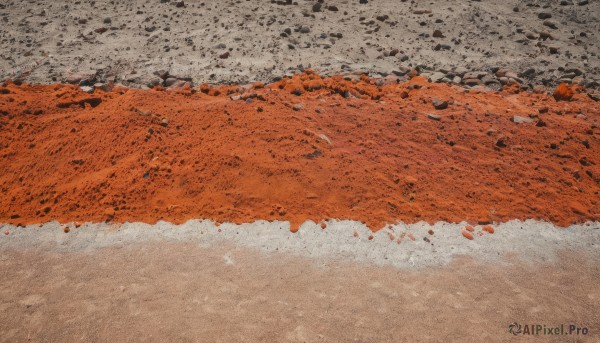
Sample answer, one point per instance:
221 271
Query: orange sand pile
302 148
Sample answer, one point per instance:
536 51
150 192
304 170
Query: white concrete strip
531 241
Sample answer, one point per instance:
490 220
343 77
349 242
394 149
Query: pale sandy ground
192 283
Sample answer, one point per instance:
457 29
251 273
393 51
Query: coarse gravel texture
245 41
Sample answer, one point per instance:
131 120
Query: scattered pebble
488 229
467 234
440 104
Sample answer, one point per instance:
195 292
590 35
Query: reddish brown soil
70 156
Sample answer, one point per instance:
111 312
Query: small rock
434 117
298 107
471 82
438 34
501 143
103 86
440 104
325 138
531 35
595 97
421 11
149 81
436 77
170 81
163 74
164 122
544 15
79 77
179 84
224 55
550 23
546 35
521 120
494 85
474 75
87 89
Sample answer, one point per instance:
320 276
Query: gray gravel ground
244 41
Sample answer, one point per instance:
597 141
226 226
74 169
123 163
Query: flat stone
521 120
87 89
434 117
436 77
440 104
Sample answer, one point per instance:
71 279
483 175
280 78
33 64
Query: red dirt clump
488 229
354 150
467 234
563 92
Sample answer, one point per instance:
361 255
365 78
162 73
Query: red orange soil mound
563 92
303 148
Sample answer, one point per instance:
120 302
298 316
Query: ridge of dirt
302 148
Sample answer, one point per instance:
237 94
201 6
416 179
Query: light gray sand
260 283
531 241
